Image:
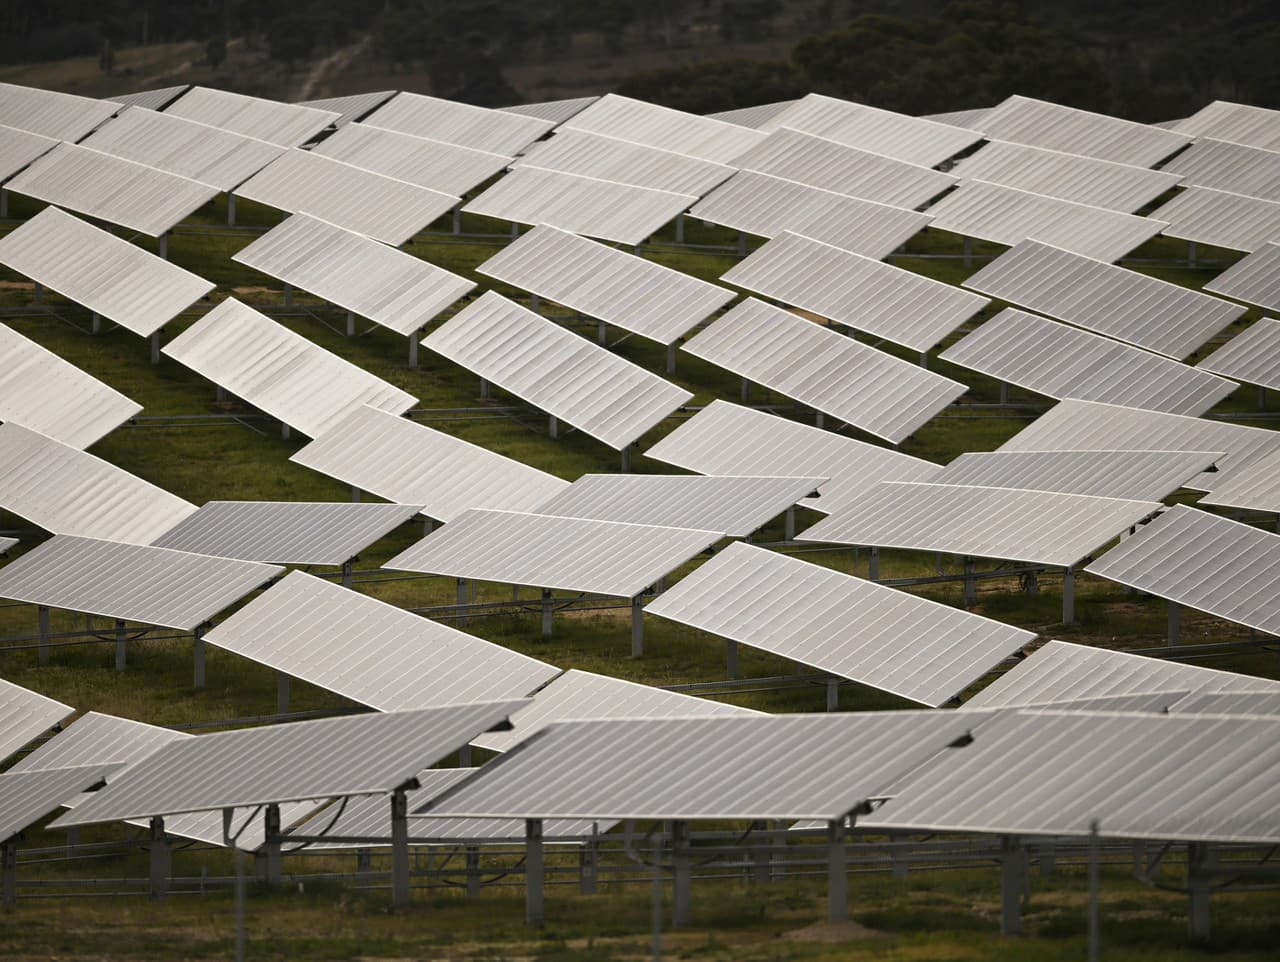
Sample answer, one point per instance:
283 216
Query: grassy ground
930 916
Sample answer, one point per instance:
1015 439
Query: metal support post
625 459
1199 860
155 347
533 872
1012 871
484 390
399 849
547 611
346 573
924 360
364 860
95 323
288 295
464 757
731 659
897 859
1048 859
789 524
462 601
285 432
231 209
122 653
1175 623
9 872
271 845
198 658
37 292
967 250
351 324
473 871
161 859
873 563
819 421
4 202
671 358
164 246
1095 921
837 873
602 333
457 219
746 391
970 585
679 228
637 626
355 495
742 244
589 865
681 875
1068 596
760 855
1004 392
1191 253
42 646
515 230
282 692
553 426
534 302
413 349
833 694
655 900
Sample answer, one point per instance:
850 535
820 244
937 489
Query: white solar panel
481 128
1254 279
1255 487
1133 475
50 113
288 125
1227 166
1238 123
18 148
1220 218
1252 356
449 168
656 126
278 371
625 162
24 714
1025 120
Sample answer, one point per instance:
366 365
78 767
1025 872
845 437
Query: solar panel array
1132 475
1237 168
434 164
479 128
288 125
1220 218
625 162
52 114
18 148
1238 123
1254 279
627 119
24 714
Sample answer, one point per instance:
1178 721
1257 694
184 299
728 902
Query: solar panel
390 287
808 159
53 114
110 188
726 438
1062 671
1067 176
1222 219
876 636
731 506
912 139
556 111
1060 361
1133 475
288 125
98 739
440 166
108 275
383 208
481 128
370 818
1005 215
1225 166
1256 486
155 586
285 532
1146 702
752 117
18 148
371 652
1024 120
332 757
972 118
1254 278
656 126
565 375
183 147
1238 123
583 205
155 99
876 392
1212 564
24 714
625 162
573 554
68 491
1039 527
1166 777
761 204
278 371
27 797
896 304
42 391
1120 303
1229 703
352 107
749 767
580 694
1073 425
619 288
1251 356
410 463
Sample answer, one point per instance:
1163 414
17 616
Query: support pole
837 873
355 495
457 219
1012 870
789 524
924 360
589 865
533 872
553 426
285 432
818 420
37 292
164 246
161 859
282 692
351 324
155 347
95 323
1068 596
473 871
399 849
9 872
547 611
288 295
198 658
731 659
873 563
602 333
1191 253
833 694
625 459
897 857
1004 392
970 585
1199 859
4 202
42 646
637 626
271 846
746 391
1262 398
681 875
484 390
413 349
655 900
671 358
1095 920
679 228
967 250
231 209
760 854
346 573
1175 623
122 651
462 601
